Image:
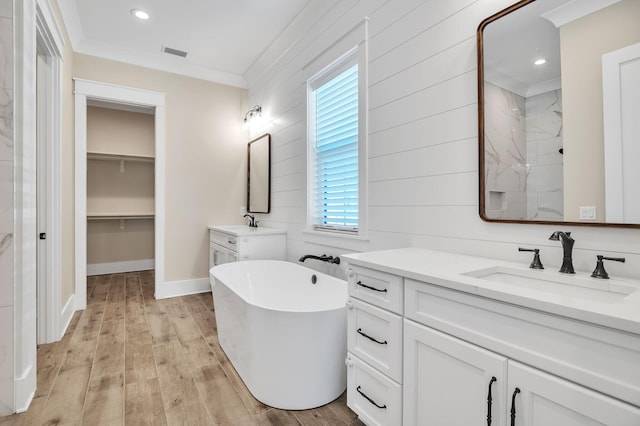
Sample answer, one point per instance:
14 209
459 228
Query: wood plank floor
130 359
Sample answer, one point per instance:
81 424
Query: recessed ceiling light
540 61
140 14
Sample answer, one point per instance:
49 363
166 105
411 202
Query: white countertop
448 269
242 230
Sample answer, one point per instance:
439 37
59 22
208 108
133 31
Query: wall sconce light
253 112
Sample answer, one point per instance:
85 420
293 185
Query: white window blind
336 152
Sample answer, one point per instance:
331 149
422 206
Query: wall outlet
588 212
243 211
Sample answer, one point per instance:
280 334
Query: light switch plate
588 212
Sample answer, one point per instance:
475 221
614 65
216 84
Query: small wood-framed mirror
555 80
259 175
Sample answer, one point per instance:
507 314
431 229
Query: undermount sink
602 291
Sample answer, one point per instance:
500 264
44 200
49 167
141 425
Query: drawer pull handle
489 401
384 290
513 406
360 332
231 242
384 407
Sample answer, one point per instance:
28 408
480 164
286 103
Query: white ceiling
223 38
513 42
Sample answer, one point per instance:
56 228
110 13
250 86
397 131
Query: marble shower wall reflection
505 154
523 176
6 207
544 141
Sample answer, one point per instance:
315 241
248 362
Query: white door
545 400
621 109
42 72
448 382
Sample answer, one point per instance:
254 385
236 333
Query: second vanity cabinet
472 360
232 243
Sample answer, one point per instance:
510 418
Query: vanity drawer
375 398
378 288
225 240
375 335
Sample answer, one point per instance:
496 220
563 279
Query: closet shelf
118 157
115 216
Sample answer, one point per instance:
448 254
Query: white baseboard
182 288
25 387
65 316
117 267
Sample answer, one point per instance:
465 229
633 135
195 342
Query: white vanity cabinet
464 355
447 381
374 344
232 243
451 382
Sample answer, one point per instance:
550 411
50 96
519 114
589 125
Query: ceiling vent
175 52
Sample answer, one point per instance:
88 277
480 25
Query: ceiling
513 42
222 38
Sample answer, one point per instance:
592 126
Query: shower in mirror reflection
530 115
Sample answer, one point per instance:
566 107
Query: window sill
336 239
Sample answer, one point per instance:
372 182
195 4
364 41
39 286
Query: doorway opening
101 205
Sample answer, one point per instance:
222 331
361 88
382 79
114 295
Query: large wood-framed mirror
559 113
259 175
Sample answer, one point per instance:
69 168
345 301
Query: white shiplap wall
422 138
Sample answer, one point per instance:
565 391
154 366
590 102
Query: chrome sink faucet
567 248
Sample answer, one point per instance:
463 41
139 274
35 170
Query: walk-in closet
120 188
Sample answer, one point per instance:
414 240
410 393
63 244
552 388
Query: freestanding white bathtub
284 334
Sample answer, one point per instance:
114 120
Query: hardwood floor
130 359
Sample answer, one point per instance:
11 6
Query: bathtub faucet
252 220
324 258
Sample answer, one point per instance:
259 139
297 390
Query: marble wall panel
6 9
505 149
522 142
6 196
6 82
6 124
6 361
6 209
544 140
6 271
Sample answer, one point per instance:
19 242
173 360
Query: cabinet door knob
348 362
349 272
349 304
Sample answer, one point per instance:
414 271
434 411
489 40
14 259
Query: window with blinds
334 143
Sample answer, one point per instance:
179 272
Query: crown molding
575 9
71 21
